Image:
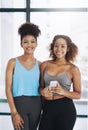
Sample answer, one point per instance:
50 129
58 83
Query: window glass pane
59 3
9 42
13 3
73 24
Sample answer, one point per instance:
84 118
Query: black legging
59 114
29 107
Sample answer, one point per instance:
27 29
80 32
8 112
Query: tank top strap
16 60
46 66
37 63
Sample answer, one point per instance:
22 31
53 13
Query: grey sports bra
63 80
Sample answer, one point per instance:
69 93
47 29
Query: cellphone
53 83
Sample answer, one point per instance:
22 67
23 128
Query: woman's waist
29 94
54 97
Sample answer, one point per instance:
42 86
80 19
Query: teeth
58 53
29 48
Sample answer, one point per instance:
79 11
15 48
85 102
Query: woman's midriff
54 97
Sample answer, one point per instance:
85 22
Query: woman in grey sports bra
58 76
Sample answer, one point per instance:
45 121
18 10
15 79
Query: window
12 4
69 17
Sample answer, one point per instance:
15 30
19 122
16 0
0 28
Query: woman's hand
58 89
18 121
46 92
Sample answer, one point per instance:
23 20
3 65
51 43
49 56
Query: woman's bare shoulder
75 69
11 62
44 64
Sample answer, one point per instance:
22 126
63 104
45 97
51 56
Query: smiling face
29 44
60 48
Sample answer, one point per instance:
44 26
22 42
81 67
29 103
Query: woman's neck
61 61
28 57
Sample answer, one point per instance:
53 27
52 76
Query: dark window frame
28 10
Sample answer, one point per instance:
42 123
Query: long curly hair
73 49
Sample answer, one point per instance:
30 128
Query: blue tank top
25 82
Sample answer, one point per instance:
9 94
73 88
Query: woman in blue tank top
22 81
57 77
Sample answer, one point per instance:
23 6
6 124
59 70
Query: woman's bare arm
44 90
9 75
17 119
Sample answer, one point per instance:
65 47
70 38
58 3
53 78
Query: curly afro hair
29 29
